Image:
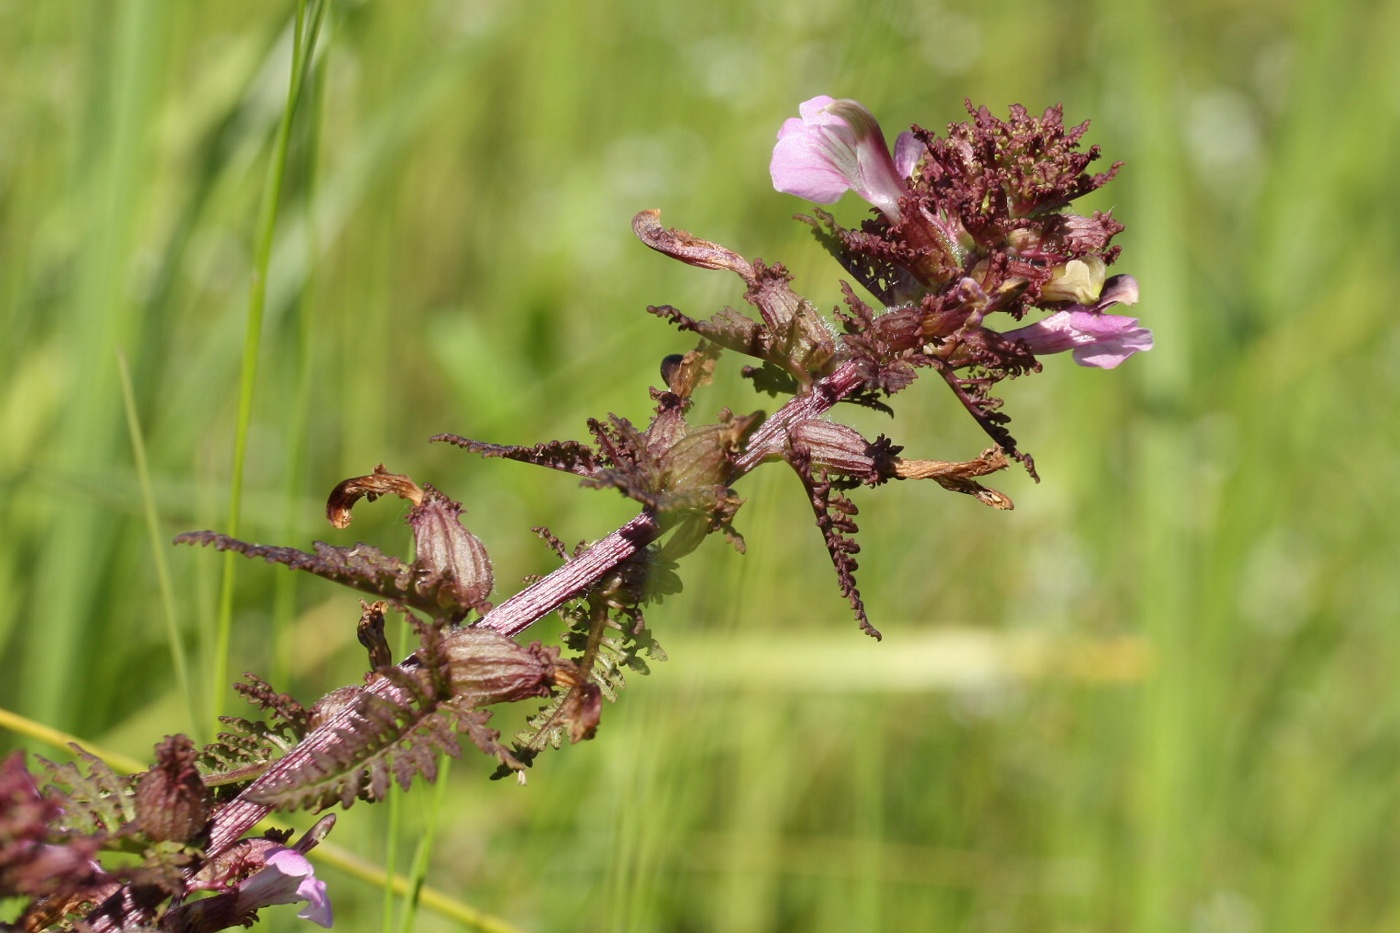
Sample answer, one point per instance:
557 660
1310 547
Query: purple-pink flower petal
1101 340
1118 290
836 146
908 150
287 878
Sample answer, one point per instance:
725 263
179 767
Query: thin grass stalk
394 828
179 658
418 870
23 725
308 22
296 435
100 316
1175 716
392 833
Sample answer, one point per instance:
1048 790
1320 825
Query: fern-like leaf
363 567
246 749
95 798
288 715
836 520
973 392
384 738
394 733
610 636
566 456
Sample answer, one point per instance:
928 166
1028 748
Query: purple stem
511 617
573 579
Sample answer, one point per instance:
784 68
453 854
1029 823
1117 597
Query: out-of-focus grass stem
308 23
159 546
124 84
284 594
418 871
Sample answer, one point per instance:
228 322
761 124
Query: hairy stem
511 617
574 578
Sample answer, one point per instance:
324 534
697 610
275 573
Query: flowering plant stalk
969 234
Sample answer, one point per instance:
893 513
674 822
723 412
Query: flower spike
971 240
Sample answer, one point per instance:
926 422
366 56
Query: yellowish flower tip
1079 281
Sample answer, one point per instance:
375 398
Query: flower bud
370 632
1118 290
333 704
447 554
172 803
835 447
487 667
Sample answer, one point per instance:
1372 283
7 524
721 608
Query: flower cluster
979 209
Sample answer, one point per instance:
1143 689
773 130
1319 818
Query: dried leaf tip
379 483
958 476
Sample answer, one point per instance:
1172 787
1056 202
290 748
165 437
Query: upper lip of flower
837 146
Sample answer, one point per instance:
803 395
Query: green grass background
1161 695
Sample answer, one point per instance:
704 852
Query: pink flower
286 878
836 146
1102 340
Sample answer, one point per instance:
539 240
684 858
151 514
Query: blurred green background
1158 696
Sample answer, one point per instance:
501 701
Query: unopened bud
1118 290
487 667
449 555
172 803
835 447
370 632
333 703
